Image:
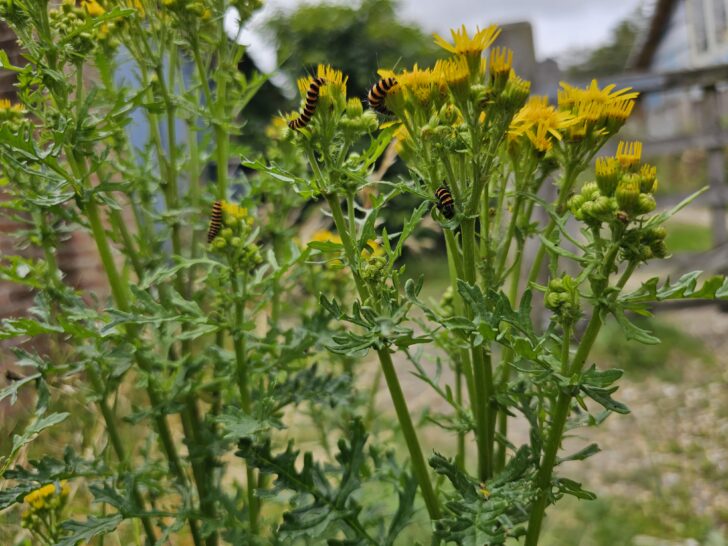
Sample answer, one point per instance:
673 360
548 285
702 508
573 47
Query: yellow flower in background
93 8
274 130
540 123
601 110
325 236
629 153
571 96
41 498
463 44
375 250
7 106
235 213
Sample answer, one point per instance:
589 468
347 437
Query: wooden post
716 164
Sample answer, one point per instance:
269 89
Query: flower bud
628 193
227 233
645 203
648 184
659 249
607 174
354 108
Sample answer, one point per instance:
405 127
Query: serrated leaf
84 531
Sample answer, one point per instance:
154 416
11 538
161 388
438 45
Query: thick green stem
482 372
395 390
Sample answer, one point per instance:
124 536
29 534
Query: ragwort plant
245 344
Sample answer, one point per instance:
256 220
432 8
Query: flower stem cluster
236 239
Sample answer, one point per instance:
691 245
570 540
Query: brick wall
77 257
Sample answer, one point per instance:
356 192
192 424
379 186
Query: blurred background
662 477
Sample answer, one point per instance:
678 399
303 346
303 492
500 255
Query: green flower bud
645 253
227 233
219 243
659 249
590 190
645 203
236 242
354 108
654 234
449 114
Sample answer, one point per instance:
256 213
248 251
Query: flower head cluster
599 111
540 123
236 236
623 192
50 498
562 297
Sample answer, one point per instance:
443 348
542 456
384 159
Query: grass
683 237
640 361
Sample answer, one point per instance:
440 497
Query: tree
357 40
610 58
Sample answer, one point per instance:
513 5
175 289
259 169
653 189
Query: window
720 21
700 34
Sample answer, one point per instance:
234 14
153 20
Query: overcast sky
558 25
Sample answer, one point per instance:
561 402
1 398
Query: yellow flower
570 95
93 8
463 44
540 123
420 85
375 250
235 213
335 81
454 72
605 109
6 105
629 153
501 60
325 236
39 498
276 127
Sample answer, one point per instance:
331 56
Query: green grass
683 237
618 521
666 359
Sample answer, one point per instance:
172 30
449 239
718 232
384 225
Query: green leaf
585 453
632 331
12 389
570 487
686 287
604 397
239 424
84 531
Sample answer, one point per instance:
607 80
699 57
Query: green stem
567 183
390 375
561 413
483 390
241 368
118 445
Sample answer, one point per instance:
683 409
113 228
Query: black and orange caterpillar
215 221
445 202
309 108
378 93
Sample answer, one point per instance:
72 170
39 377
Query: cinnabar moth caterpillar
309 107
378 93
445 202
215 221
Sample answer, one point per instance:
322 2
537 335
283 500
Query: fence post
716 164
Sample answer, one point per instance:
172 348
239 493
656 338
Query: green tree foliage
358 40
610 58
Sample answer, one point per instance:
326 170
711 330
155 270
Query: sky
558 25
